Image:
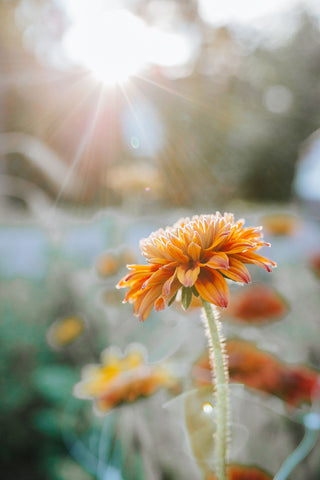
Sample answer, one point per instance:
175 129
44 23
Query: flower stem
218 359
312 424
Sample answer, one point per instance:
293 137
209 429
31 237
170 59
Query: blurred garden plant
196 257
123 379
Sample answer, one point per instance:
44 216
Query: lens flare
111 45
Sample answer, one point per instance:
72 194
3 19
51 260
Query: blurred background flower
295 384
121 379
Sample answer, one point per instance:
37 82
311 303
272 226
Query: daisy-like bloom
244 472
196 256
294 384
122 379
65 331
257 304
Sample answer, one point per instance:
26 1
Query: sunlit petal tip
224 302
159 304
121 283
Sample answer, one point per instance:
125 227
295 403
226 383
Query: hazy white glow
278 99
217 12
111 45
115 44
168 49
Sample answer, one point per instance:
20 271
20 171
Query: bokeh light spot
278 99
207 407
135 142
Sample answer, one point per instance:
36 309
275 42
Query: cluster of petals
122 378
198 253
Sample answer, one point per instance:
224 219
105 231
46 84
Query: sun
112 45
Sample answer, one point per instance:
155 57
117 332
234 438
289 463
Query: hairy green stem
218 359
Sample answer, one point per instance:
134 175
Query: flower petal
159 276
194 251
188 276
237 271
159 304
251 257
148 301
176 253
217 260
213 288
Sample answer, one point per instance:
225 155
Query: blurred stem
298 454
219 363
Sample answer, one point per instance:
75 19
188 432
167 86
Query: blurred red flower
256 304
314 263
244 472
295 384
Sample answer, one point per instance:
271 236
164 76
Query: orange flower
122 379
107 265
258 303
65 330
195 255
244 472
294 384
280 224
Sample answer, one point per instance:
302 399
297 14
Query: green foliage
186 297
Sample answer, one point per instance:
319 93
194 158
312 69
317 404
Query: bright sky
114 44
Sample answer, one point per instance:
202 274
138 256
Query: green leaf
172 299
195 291
186 297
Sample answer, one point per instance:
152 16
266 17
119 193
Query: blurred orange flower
109 263
280 224
122 379
65 331
295 384
244 472
195 255
257 304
